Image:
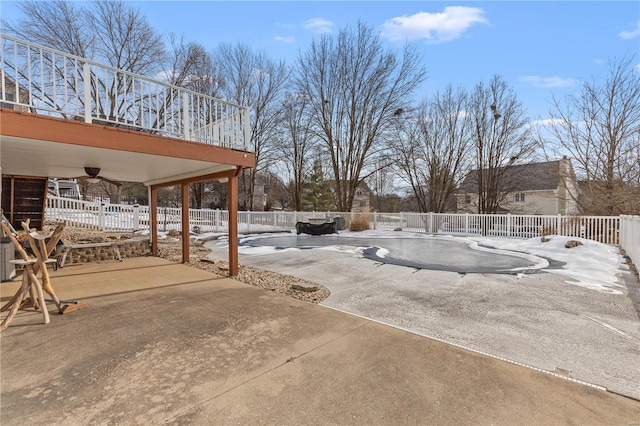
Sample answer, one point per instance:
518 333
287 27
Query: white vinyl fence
122 217
630 237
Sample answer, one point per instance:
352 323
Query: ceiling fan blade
111 181
87 179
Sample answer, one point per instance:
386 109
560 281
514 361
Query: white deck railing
47 81
122 217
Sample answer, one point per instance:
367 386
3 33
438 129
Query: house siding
542 195
547 201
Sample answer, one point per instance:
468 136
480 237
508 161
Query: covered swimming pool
447 254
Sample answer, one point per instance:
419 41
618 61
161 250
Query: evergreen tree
317 191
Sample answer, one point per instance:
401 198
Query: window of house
467 199
10 98
519 197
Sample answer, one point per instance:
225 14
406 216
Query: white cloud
548 82
165 75
433 27
285 26
627 35
319 25
546 122
285 39
598 61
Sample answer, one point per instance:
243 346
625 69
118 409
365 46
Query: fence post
466 224
86 70
101 216
431 222
401 220
275 219
559 225
375 220
508 225
136 217
248 221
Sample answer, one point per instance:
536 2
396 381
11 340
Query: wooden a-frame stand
31 286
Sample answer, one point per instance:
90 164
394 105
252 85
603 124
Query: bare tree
134 192
170 196
124 38
198 192
381 183
431 148
296 143
599 127
110 32
254 80
278 195
61 25
106 31
354 86
500 139
192 67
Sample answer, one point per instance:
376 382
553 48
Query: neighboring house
8 99
67 188
260 196
259 202
536 188
361 199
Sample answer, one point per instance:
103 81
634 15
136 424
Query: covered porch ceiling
36 145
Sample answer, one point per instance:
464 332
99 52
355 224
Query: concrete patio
538 320
161 342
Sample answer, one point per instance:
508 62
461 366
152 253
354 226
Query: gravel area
170 249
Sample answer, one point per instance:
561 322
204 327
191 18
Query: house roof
522 177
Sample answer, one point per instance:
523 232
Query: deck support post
233 224
185 223
153 219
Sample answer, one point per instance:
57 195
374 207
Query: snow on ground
592 265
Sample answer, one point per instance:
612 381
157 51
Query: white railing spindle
59 84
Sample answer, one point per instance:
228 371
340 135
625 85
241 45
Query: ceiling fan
92 176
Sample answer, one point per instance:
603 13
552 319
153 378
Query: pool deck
163 343
538 320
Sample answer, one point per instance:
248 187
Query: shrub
547 230
359 223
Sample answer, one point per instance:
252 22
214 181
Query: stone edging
83 253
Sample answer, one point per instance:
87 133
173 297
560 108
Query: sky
539 47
